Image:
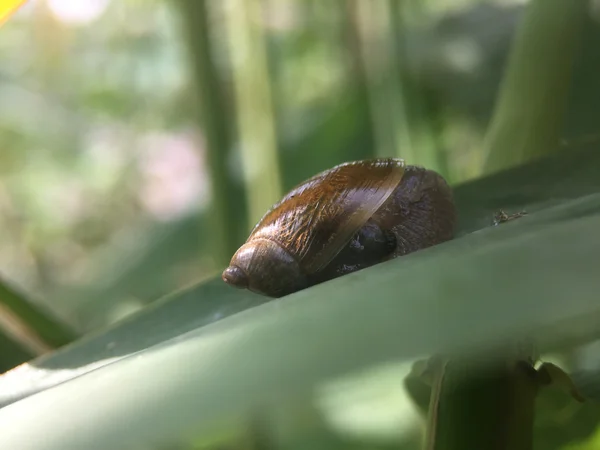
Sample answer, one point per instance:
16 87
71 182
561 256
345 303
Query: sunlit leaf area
141 141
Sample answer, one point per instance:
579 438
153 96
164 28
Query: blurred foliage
104 180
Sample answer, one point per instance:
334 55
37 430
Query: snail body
342 220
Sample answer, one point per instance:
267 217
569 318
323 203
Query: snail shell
342 220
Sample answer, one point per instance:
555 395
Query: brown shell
315 220
420 212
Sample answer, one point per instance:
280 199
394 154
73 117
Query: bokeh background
141 140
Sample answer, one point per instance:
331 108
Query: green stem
254 104
226 227
527 122
378 57
474 409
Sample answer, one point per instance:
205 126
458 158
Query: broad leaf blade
164 320
518 279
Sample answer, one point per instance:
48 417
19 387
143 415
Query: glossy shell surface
316 219
342 220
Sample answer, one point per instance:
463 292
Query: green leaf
534 276
166 319
12 353
26 329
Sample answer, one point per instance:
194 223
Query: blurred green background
141 140
105 176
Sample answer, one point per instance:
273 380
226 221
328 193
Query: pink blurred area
173 176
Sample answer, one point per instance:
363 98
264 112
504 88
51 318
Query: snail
342 220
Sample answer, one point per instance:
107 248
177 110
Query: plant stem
378 56
473 408
254 103
224 210
527 122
